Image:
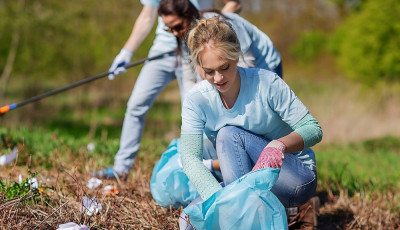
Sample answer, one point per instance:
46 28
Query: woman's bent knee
228 133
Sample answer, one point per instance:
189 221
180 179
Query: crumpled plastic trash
33 182
8 158
90 206
110 190
94 183
169 185
246 203
91 146
72 226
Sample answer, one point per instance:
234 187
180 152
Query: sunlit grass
367 166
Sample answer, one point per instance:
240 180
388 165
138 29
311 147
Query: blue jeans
238 151
153 78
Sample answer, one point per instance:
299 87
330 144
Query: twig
79 185
51 214
15 201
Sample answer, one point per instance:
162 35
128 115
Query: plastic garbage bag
246 203
169 185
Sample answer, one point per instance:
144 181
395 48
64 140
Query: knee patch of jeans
227 132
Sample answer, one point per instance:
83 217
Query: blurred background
341 58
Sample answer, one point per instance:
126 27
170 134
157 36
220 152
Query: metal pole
6 108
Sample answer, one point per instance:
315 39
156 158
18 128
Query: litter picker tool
7 108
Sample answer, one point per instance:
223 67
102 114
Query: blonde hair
214 33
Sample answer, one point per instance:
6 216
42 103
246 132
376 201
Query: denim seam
236 137
301 186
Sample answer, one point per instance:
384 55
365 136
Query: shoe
109 173
306 217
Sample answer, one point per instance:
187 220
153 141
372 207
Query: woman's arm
192 162
142 27
232 6
307 132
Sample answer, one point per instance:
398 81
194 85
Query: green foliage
388 144
58 39
309 45
367 43
367 166
11 190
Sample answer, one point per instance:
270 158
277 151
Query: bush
367 43
309 45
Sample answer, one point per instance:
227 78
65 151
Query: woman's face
176 25
218 71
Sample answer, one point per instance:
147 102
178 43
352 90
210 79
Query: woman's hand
272 156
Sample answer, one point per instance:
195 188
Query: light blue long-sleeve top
265 106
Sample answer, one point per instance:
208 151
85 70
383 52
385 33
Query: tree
12 53
367 43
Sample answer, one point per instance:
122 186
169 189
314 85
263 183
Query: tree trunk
12 54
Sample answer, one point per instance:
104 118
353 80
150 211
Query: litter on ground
94 183
8 158
72 226
110 190
90 206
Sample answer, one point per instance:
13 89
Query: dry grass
132 208
360 211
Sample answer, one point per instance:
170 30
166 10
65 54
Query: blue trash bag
246 203
169 185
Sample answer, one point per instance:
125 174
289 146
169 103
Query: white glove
123 58
208 164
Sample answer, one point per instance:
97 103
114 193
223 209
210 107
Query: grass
366 166
357 167
132 209
345 184
14 190
370 165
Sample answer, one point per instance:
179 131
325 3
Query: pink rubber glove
271 156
